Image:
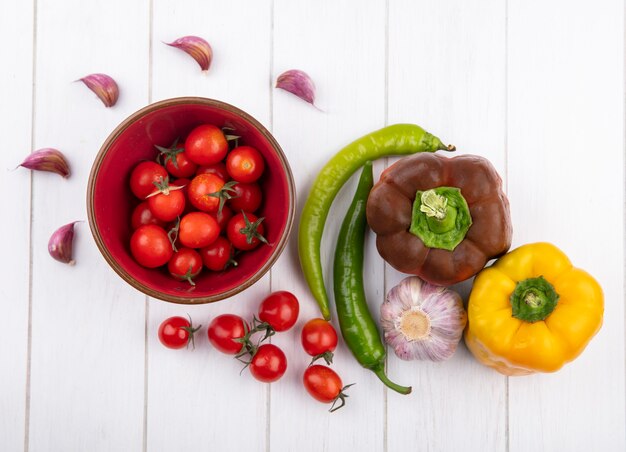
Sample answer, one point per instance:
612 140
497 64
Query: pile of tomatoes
198 204
278 312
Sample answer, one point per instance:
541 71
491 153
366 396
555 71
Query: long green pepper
357 325
397 139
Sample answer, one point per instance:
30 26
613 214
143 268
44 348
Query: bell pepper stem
533 299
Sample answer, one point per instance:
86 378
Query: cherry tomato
176 161
217 169
280 309
200 190
246 197
223 218
217 255
177 332
143 177
206 145
323 384
150 246
245 164
185 264
269 363
245 231
318 337
142 215
197 230
184 182
167 205
223 329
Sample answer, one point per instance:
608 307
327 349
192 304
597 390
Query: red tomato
185 264
184 182
143 177
280 309
168 204
176 161
318 337
206 145
200 190
245 231
217 169
142 215
223 329
198 229
176 332
323 384
269 363
217 255
246 197
223 218
245 164
150 246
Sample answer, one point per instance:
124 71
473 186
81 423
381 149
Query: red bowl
110 201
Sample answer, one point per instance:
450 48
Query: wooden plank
342 49
447 73
87 324
566 168
217 408
15 114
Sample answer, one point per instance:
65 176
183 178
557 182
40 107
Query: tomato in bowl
111 202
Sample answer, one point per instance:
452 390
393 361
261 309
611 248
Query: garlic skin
199 49
104 86
422 321
47 159
299 83
61 244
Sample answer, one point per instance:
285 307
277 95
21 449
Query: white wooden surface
537 87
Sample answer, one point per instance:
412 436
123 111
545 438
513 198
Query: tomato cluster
198 204
278 312
231 334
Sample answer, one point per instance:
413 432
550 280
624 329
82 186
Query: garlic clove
299 83
47 159
61 242
104 86
198 48
422 321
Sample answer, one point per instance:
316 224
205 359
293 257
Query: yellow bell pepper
532 311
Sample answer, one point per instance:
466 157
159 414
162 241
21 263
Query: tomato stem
251 230
341 397
327 356
174 233
224 194
170 153
249 348
189 275
191 330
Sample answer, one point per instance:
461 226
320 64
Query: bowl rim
278 247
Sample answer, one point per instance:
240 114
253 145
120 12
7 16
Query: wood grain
566 166
16 81
447 73
87 324
536 87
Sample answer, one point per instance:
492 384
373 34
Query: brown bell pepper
440 218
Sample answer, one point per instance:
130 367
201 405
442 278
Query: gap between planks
29 330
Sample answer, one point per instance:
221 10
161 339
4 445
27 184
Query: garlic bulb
422 321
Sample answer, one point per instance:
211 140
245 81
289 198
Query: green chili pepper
398 139
357 325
